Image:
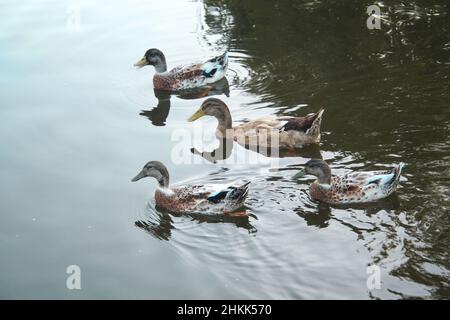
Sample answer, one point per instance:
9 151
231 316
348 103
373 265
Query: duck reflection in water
159 114
160 224
225 150
324 213
222 152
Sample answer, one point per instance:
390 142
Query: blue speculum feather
219 195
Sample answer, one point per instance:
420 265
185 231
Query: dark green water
72 136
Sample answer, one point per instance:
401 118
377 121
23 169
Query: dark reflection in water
319 219
161 224
222 152
225 150
323 214
159 114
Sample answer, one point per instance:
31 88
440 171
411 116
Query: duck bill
138 177
196 115
299 174
141 63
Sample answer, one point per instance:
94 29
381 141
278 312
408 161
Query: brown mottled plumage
178 78
355 187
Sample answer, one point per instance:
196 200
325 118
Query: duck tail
316 118
221 60
215 66
239 193
225 60
397 171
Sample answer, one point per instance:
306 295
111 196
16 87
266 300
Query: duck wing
207 69
380 178
265 123
233 193
304 124
386 179
208 199
187 72
372 185
192 193
197 74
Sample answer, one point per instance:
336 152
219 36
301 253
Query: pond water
78 122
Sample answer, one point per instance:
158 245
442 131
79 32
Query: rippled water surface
78 121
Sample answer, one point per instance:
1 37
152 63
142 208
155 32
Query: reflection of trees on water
310 49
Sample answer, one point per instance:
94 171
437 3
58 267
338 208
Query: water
72 137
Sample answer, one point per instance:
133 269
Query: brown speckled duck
355 187
289 132
183 77
206 199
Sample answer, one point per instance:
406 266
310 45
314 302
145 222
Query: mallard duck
355 187
288 132
208 199
183 77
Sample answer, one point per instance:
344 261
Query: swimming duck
355 187
206 199
183 77
288 132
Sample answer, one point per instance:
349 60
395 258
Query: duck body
185 199
286 132
184 77
281 132
355 187
206 199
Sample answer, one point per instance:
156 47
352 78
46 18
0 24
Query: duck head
156 170
318 168
216 108
153 57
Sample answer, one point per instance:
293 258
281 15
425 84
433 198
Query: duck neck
163 180
223 116
161 65
324 178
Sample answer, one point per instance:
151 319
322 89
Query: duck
284 132
187 77
193 199
354 187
